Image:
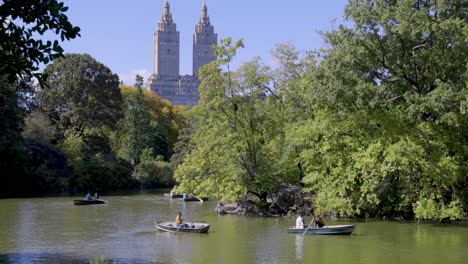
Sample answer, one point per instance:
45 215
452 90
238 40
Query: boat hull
194 199
326 230
88 202
173 195
172 227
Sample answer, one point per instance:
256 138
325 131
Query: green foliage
154 173
139 81
94 166
21 24
47 169
21 51
81 93
389 128
430 209
169 118
11 118
39 127
233 111
373 125
140 132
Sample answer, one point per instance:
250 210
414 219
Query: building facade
166 80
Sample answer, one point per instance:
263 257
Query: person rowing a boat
180 222
319 221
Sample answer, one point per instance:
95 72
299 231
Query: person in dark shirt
319 221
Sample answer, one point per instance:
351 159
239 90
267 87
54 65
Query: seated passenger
88 197
300 222
319 221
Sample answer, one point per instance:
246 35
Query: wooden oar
201 200
179 227
308 226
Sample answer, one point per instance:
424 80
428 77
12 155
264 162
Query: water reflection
52 258
299 248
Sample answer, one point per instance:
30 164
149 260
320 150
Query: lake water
53 230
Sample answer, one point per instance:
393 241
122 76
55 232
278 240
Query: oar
308 226
179 227
201 200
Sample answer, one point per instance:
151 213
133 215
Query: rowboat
88 202
192 198
326 230
173 195
172 227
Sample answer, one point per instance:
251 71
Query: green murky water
53 230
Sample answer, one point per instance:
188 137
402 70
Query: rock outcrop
289 200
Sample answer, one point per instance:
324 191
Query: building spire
166 16
166 23
204 18
203 40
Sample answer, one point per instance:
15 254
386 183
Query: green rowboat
326 230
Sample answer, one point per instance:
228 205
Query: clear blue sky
120 33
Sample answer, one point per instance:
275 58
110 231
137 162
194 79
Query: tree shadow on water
54 258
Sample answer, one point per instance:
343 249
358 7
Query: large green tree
22 49
234 141
81 94
83 99
388 136
139 132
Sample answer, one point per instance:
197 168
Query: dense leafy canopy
140 132
232 126
392 90
81 93
373 125
21 51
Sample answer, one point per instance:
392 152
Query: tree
233 111
139 131
170 119
139 81
374 126
389 131
21 51
39 127
81 93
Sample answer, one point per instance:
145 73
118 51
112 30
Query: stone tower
166 80
203 38
166 45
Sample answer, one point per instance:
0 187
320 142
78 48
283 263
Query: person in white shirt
300 222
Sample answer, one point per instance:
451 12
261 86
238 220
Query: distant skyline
119 34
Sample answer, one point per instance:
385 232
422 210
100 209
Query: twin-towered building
166 80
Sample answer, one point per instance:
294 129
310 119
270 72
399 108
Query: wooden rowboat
172 227
173 195
192 198
88 202
326 230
